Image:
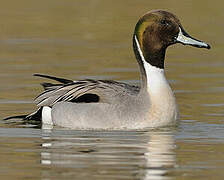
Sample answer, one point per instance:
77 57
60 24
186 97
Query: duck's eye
164 22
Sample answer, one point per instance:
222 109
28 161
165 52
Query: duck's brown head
155 31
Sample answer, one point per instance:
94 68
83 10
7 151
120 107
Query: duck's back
86 91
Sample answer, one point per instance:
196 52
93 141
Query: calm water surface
92 39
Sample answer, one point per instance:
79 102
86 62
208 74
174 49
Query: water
92 39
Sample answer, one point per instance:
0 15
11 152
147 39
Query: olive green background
79 39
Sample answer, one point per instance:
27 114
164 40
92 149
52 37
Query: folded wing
83 91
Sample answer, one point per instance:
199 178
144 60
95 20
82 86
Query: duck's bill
186 39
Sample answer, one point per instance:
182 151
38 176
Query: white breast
163 108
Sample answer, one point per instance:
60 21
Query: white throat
163 104
156 80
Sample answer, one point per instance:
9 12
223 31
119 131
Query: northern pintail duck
103 104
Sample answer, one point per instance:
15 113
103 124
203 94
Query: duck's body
119 105
90 104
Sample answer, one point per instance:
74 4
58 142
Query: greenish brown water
92 39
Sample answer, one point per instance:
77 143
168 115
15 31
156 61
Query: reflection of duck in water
160 156
91 104
109 155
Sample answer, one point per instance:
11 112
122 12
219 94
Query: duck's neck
155 90
151 67
153 80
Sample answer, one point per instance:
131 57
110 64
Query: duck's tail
36 117
33 118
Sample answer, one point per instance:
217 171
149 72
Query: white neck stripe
154 75
145 63
160 94
139 49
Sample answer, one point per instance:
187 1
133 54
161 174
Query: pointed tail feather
15 117
33 118
37 115
61 80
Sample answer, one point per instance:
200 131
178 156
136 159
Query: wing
83 91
